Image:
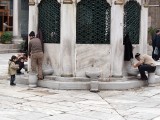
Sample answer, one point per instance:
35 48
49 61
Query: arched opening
49 20
93 22
132 15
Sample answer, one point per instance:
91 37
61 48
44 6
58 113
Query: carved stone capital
31 2
119 2
67 1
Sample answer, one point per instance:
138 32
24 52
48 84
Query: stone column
117 49
16 22
32 23
68 36
144 30
33 18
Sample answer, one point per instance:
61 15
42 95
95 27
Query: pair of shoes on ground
40 78
145 79
12 84
20 73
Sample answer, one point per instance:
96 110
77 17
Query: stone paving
4 58
23 103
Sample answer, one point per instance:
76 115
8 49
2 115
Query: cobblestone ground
22 103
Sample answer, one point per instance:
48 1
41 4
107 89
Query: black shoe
12 84
144 79
19 73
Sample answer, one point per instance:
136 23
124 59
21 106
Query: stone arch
93 22
132 16
49 20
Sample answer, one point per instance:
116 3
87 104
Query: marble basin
32 80
93 74
26 66
133 72
157 68
48 71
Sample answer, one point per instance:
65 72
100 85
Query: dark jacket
154 41
128 54
157 40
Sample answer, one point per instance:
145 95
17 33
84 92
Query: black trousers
145 67
21 65
12 79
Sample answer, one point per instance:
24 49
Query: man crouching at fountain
145 63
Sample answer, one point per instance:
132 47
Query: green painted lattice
132 15
49 20
93 22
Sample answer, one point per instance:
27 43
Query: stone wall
154 14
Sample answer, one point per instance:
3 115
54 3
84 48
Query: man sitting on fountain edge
145 63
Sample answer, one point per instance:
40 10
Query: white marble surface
117 49
21 103
68 38
144 30
52 56
89 55
75 59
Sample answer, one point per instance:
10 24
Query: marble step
66 83
69 84
85 79
9 48
86 85
9 51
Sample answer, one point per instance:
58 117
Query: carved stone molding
31 2
119 2
109 1
67 1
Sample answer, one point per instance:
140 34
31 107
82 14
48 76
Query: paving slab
4 58
23 103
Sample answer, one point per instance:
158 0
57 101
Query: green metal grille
132 14
49 20
93 22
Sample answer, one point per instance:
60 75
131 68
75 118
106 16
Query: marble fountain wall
71 59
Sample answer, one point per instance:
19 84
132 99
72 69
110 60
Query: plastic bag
156 51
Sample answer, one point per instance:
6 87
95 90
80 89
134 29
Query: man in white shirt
145 63
5 26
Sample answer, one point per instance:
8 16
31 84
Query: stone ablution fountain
84 45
